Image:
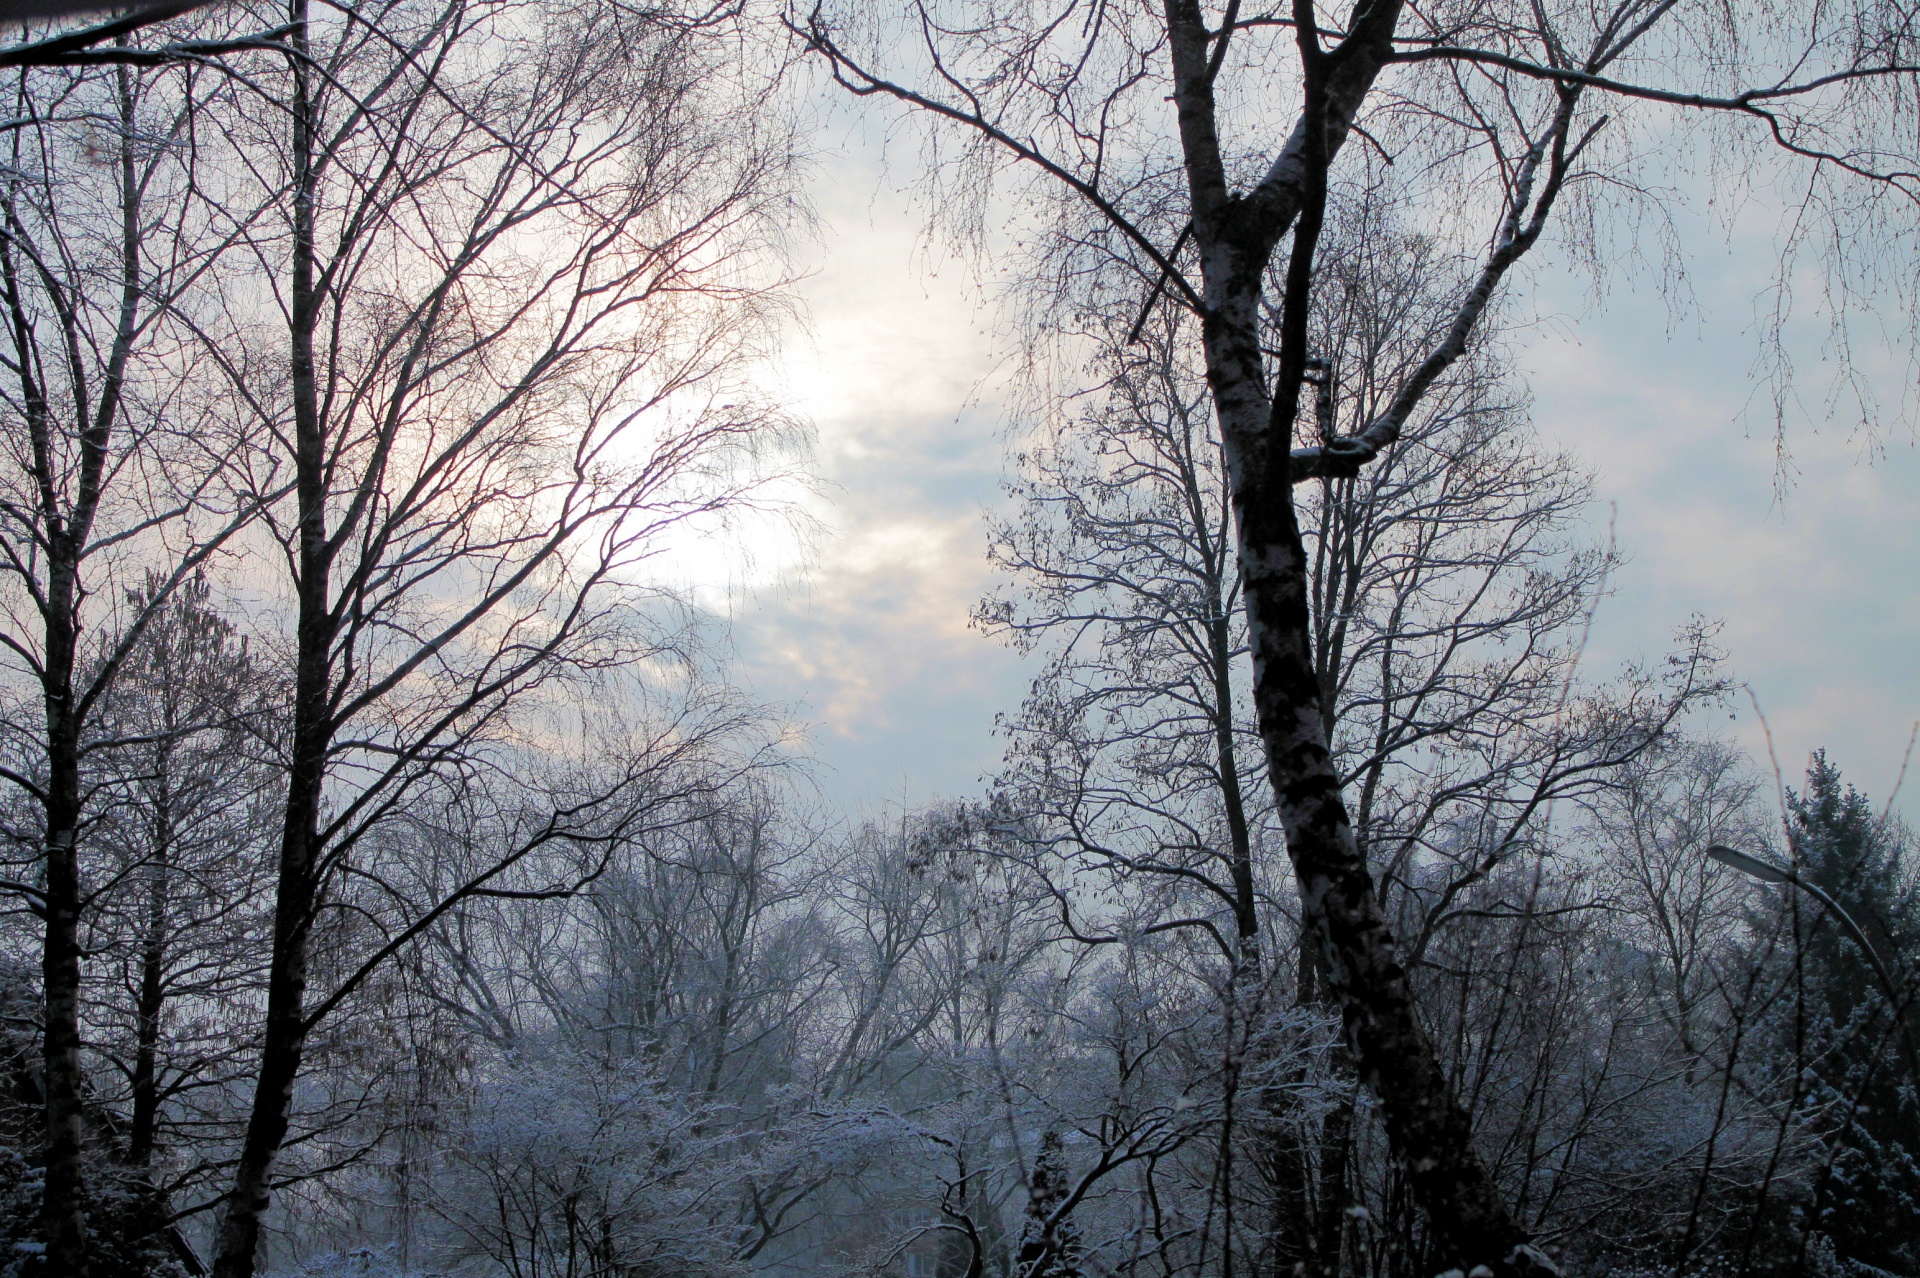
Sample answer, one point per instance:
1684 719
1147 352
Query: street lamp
1770 872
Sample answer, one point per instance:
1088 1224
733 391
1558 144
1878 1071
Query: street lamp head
1768 872
1765 871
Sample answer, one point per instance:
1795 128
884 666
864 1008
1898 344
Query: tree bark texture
63 1201
1236 236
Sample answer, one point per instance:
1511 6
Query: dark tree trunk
1336 1145
1233 802
1236 236
141 1131
61 531
63 1209
65 529
284 1038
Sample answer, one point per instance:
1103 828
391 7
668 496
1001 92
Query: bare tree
1653 831
1509 102
1127 751
513 262
1449 599
109 243
177 855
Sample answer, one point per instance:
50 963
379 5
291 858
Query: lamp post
1770 872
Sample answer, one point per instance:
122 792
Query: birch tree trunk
1235 237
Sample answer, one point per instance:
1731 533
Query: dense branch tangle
1505 111
437 314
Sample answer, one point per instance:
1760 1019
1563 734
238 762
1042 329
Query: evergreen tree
1049 1248
1867 1201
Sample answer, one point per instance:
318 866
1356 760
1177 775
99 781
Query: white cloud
869 635
1812 564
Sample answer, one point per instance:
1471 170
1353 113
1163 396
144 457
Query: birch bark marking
1235 237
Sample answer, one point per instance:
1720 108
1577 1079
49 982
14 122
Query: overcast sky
866 635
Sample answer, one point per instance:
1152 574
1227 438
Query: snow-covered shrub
564 1165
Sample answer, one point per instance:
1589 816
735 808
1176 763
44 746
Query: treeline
730 1042
398 885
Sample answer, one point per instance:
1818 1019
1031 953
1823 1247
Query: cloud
1811 557
869 637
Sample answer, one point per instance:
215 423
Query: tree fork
1235 237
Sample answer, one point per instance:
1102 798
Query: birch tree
1156 139
1449 594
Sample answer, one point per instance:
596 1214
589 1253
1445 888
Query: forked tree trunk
1236 237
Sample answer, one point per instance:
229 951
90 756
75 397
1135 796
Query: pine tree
1867 1204
1049 1248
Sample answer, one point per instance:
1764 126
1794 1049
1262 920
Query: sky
1810 560
861 629
866 634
